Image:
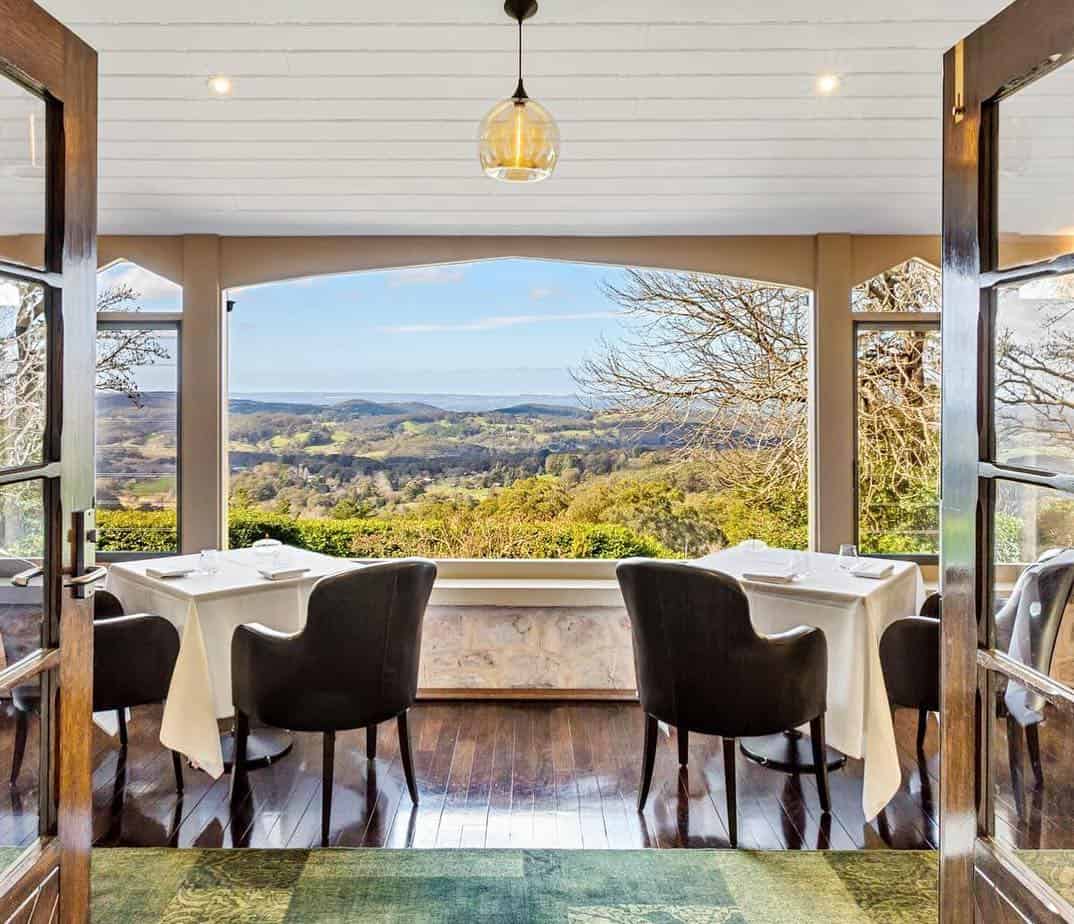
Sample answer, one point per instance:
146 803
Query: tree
121 352
653 508
722 364
23 354
536 499
1035 372
23 358
719 364
899 440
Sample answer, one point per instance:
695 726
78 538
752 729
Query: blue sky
492 327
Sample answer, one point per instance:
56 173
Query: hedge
464 537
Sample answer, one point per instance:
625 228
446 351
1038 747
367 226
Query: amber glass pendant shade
519 142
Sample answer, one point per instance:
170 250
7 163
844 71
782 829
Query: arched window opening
519 408
137 404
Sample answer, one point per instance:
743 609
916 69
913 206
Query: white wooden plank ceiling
678 117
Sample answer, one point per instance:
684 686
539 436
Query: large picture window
519 409
137 454
897 388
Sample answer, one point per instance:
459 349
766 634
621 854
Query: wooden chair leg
177 766
404 755
922 728
820 762
121 719
371 742
1033 747
684 745
22 728
238 768
729 784
648 759
327 775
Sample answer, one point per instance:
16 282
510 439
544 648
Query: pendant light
519 140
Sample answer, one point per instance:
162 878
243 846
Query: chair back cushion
700 663
1035 610
106 605
361 645
133 660
910 656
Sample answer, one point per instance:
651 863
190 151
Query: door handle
23 578
83 531
84 580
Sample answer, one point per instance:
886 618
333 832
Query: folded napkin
281 574
873 569
164 574
770 574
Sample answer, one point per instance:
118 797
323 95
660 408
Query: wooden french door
48 192
1007 740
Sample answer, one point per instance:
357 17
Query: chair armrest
802 652
805 645
792 636
262 661
266 633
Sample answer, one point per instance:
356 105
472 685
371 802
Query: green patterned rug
473 887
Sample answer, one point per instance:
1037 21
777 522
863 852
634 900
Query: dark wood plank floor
490 775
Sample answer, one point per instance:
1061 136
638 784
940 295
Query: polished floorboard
530 775
533 775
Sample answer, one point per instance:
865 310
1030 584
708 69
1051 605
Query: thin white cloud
427 275
496 322
540 293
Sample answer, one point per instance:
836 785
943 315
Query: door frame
51 879
980 879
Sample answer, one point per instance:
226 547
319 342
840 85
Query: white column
831 434
203 417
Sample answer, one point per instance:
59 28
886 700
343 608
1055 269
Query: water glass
267 553
848 555
209 561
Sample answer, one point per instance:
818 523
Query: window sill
532 591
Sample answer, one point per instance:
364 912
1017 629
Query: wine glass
848 556
209 561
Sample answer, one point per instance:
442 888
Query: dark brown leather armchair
910 657
702 667
133 660
353 665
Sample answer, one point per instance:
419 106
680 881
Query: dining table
853 613
206 608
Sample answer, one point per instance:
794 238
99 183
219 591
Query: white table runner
206 609
853 614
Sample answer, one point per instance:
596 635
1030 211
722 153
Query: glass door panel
23 372
22 550
1033 788
1034 374
1035 202
20 771
22 174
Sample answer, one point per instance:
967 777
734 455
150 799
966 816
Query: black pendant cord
520 90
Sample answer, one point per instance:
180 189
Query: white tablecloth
206 609
853 614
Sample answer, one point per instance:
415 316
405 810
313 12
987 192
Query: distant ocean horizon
448 401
